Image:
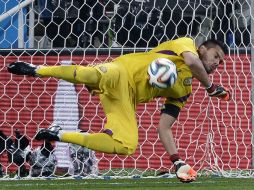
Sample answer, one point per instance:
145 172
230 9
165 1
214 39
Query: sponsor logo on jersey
187 81
103 69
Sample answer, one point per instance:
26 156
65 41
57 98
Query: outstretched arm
183 171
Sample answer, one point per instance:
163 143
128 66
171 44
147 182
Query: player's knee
133 147
131 151
125 150
87 75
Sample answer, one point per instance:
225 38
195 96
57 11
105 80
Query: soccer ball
162 73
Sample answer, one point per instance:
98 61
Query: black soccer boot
50 134
22 68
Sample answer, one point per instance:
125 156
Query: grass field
211 183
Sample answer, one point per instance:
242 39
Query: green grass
209 183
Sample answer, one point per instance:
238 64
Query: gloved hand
184 172
219 92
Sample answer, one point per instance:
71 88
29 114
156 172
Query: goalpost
213 136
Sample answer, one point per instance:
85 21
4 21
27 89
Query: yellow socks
71 73
101 142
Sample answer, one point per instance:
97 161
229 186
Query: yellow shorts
118 103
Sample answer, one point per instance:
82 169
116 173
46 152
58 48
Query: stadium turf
211 183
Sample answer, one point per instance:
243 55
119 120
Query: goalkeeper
123 83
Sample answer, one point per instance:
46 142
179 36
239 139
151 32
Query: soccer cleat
22 68
227 96
184 172
50 134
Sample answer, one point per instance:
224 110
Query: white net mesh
214 137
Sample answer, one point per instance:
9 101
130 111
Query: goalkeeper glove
219 92
184 172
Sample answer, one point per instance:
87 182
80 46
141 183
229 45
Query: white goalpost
19 9
213 136
252 70
15 9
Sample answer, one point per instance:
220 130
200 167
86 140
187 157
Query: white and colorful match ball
162 73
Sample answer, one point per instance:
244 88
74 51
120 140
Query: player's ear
202 49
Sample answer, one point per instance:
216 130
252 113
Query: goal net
213 136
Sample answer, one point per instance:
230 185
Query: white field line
107 182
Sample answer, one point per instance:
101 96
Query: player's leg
118 103
72 73
101 142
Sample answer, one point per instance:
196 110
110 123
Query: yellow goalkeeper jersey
137 64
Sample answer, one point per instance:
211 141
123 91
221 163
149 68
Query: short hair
211 43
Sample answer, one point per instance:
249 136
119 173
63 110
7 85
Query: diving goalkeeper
123 83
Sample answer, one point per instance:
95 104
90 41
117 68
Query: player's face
211 57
